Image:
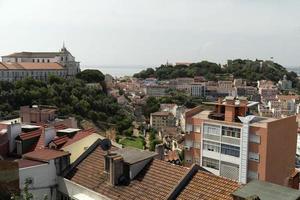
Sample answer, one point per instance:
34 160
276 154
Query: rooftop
162 113
24 163
66 141
133 155
208 186
31 134
155 181
267 191
45 154
34 54
257 121
69 130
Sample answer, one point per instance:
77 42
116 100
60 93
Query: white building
198 89
40 169
38 65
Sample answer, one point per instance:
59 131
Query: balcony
230 140
211 137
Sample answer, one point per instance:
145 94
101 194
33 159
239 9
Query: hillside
246 69
73 97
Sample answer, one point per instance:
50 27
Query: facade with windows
198 89
161 120
38 65
240 146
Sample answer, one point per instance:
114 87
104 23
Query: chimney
230 100
220 100
243 101
159 148
113 166
230 109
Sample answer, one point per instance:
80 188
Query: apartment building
156 90
198 89
162 120
285 84
37 114
231 142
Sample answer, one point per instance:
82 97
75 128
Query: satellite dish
105 144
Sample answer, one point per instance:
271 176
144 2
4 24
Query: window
231 132
254 138
211 146
253 156
197 161
211 129
48 60
230 150
38 60
43 60
32 60
211 163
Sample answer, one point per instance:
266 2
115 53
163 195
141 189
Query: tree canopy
72 97
91 76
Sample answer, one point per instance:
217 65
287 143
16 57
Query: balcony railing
230 140
211 137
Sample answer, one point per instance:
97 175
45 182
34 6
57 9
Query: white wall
13 130
44 178
50 133
72 189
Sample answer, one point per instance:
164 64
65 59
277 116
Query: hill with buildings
246 69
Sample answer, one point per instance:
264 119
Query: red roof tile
171 156
60 140
41 142
208 186
45 154
23 163
60 127
31 134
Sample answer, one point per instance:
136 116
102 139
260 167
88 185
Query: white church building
38 65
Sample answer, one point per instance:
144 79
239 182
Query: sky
150 32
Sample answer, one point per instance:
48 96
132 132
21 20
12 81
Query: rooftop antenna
105 145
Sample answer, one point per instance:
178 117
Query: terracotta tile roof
45 154
155 181
60 140
60 126
41 142
28 163
30 135
161 113
30 66
34 54
171 156
208 186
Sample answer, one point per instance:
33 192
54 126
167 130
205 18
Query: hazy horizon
150 32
